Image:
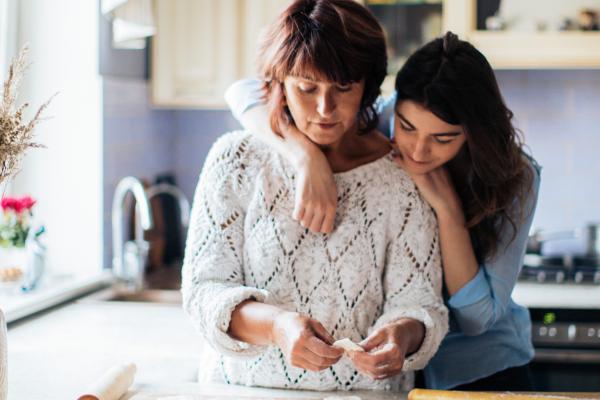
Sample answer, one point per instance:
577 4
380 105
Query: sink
142 296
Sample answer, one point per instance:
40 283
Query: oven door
566 370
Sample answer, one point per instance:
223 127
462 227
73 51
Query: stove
561 269
567 349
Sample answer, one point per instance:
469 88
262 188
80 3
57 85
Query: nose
326 104
421 150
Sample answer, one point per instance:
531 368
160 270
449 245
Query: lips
326 125
417 162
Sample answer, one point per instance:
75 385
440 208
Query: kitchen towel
112 385
3 359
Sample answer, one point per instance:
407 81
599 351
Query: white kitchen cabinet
508 49
202 46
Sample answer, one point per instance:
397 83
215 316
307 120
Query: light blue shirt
489 332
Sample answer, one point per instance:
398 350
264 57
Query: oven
567 349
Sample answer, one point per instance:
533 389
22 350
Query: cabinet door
543 46
202 46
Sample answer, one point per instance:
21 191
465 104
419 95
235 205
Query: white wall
66 177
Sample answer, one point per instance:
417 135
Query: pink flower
27 202
17 204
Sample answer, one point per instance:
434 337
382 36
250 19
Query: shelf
539 50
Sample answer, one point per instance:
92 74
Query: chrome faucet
129 259
184 204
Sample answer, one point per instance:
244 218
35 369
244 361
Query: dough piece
347 345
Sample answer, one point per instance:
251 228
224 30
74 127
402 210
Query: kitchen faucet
184 204
129 259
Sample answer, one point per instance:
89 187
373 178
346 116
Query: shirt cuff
475 290
242 95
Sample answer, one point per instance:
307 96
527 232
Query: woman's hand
316 194
437 189
387 347
304 341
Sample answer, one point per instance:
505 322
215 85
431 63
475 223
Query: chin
324 139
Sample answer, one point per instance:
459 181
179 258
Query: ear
283 95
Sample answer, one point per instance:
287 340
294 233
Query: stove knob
572 332
578 277
541 276
560 277
552 332
591 332
543 331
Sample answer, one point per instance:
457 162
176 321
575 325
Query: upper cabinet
530 34
202 46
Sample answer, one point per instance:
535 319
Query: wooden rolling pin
425 394
113 384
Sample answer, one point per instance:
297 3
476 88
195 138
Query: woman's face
324 111
424 141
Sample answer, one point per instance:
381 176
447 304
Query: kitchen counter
58 354
557 295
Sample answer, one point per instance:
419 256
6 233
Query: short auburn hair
336 40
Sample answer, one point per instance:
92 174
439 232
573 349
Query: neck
354 150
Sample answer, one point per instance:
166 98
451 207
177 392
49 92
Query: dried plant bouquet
16 135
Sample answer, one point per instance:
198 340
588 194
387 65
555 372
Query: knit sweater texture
381 263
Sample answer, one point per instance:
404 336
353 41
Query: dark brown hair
336 40
453 80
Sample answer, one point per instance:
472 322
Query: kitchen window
64 177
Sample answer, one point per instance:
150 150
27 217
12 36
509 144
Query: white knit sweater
380 264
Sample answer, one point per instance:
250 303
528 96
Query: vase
14 257
3 359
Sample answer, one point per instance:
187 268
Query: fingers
382 363
317 221
298 213
328 220
301 361
321 332
313 354
375 339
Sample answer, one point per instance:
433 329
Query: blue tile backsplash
557 111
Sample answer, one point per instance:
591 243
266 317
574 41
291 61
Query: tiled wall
559 115
138 141
558 112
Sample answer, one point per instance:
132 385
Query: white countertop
58 354
555 295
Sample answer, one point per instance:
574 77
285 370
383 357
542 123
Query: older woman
270 296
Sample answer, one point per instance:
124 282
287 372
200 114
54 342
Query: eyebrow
411 126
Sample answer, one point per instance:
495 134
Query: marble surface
58 354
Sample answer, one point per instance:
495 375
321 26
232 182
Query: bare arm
303 340
316 195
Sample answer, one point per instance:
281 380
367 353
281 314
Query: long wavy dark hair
454 81
338 40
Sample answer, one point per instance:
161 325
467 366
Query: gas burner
565 269
542 269
544 274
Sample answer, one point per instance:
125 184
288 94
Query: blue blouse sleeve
242 95
479 304
385 110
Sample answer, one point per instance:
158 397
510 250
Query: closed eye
307 89
406 127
